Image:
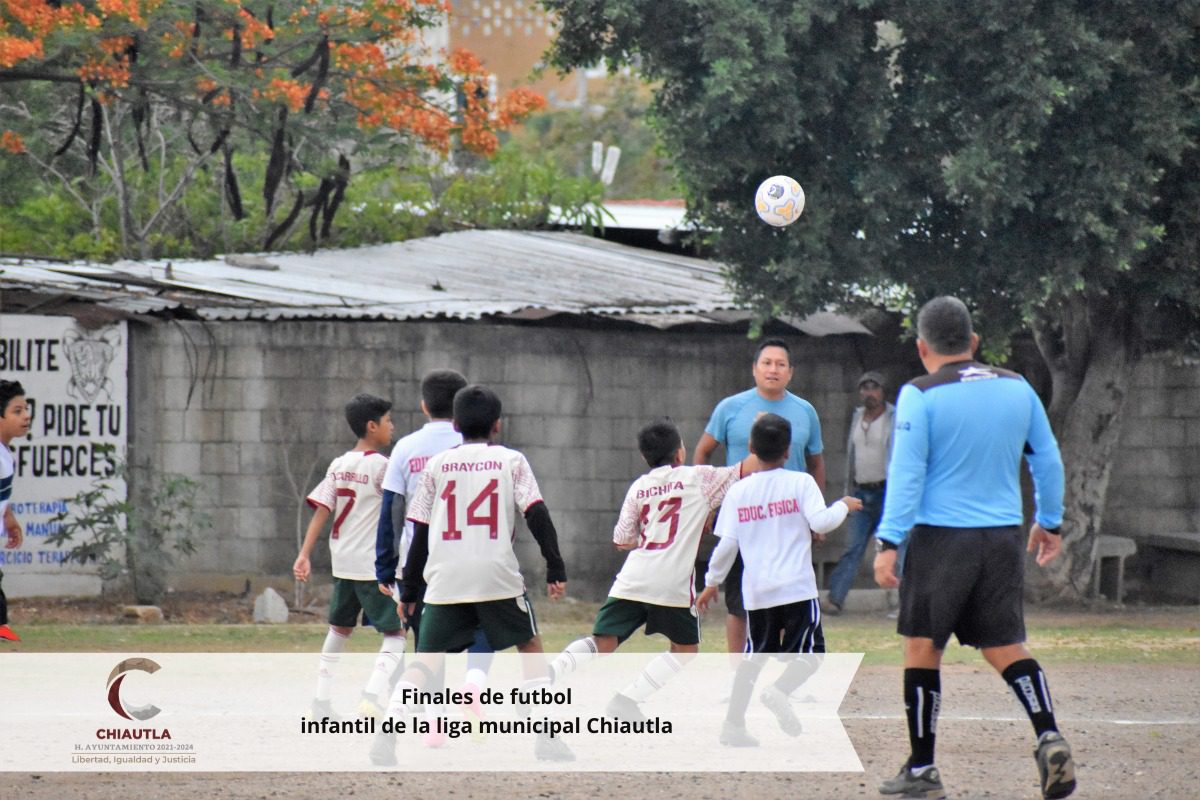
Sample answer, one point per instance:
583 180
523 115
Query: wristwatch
884 544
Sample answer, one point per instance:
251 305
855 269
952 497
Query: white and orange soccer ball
779 200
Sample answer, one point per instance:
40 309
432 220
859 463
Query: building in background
511 38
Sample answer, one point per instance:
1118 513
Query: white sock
576 654
529 685
391 656
653 677
331 653
396 705
476 678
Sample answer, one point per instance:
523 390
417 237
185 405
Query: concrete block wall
253 411
1156 469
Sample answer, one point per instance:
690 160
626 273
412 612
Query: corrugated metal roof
464 275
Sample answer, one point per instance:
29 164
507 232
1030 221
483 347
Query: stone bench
1186 542
1107 549
1173 563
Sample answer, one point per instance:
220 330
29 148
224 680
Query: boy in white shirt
351 494
394 535
661 522
15 418
461 557
405 466
772 518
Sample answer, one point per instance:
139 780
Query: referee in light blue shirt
953 491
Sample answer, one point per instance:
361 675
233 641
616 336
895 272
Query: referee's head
944 324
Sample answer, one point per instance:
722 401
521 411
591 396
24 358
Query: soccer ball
779 200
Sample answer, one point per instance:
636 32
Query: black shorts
966 582
733 588
791 628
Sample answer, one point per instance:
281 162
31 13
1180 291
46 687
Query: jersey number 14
489 516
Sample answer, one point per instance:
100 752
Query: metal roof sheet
463 275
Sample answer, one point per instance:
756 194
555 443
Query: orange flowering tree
127 102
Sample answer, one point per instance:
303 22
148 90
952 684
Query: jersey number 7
491 518
670 508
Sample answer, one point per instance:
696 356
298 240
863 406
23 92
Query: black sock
743 687
1028 683
922 700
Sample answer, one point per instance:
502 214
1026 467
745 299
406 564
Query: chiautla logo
117 676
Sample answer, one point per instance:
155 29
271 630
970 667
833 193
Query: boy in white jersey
351 493
15 418
772 518
405 466
394 533
463 516
661 522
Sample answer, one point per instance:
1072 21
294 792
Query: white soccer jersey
469 496
408 460
7 469
353 493
770 517
664 513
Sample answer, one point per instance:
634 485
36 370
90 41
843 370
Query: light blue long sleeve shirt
956 453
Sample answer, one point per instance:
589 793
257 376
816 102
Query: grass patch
1169 637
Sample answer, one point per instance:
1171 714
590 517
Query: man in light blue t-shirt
730 425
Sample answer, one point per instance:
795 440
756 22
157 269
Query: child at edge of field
661 522
772 518
351 493
15 419
462 553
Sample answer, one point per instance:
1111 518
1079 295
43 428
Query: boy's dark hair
438 389
476 409
773 342
364 408
770 437
945 325
659 441
9 390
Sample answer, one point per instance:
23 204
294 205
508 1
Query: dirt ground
1135 730
183 607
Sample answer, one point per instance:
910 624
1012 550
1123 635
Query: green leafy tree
617 114
514 189
1036 158
135 537
129 102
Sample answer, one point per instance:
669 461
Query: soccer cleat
383 750
435 739
925 782
551 748
324 708
1055 765
8 635
780 705
736 736
473 712
624 708
369 706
